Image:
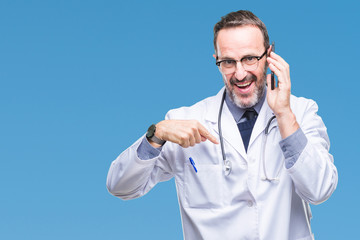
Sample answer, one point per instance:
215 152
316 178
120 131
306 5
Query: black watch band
150 135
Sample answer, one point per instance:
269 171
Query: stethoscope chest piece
227 167
227 163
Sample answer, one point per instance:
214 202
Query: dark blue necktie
246 126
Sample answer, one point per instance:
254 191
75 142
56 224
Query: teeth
243 85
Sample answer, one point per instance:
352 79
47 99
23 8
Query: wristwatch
150 135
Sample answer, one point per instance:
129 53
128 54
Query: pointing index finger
205 133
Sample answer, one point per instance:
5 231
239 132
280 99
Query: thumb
268 81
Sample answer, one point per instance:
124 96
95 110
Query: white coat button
250 203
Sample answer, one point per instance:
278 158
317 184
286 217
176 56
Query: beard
250 99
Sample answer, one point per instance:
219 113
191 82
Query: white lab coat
241 205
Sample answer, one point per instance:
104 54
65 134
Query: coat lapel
230 131
264 116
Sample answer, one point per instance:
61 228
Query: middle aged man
258 182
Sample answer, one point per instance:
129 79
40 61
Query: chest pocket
203 189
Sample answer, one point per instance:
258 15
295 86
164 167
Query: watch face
151 131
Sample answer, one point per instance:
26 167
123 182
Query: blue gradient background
82 80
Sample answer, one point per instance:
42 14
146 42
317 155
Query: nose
240 72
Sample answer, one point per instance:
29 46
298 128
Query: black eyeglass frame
258 59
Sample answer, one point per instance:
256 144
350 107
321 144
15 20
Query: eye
249 60
228 63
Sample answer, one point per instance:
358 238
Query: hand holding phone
272 73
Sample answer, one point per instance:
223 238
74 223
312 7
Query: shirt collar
238 112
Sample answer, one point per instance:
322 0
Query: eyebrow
231 58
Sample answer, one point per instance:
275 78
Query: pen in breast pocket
193 164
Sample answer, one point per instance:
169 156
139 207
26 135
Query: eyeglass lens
230 66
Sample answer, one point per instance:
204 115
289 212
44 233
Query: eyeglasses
249 63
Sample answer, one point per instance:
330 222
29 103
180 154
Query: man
258 182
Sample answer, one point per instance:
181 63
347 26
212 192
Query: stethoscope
227 163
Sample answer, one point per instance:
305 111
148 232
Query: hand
279 98
183 132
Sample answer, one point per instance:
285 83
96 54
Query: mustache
249 77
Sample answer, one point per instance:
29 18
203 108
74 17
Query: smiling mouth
243 85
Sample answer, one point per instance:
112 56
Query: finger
205 133
268 81
283 77
279 63
198 137
184 142
211 138
192 140
278 58
279 71
270 92
274 69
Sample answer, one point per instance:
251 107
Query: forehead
239 41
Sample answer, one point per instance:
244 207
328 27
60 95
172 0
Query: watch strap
157 140
150 135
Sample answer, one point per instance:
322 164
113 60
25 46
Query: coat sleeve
130 177
314 174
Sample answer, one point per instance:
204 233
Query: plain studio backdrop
82 80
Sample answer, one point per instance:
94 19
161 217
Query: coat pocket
203 189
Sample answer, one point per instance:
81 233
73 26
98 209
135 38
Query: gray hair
238 19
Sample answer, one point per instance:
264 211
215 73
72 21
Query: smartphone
272 73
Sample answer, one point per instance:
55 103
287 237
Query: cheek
260 76
227 79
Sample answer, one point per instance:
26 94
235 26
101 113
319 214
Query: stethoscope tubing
227 163
219 127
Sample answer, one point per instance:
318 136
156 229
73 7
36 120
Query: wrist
154 144
152 138
286 115
287 124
